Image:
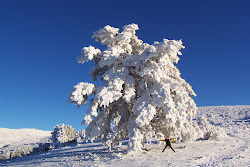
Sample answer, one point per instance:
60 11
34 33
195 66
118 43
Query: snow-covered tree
142 93
26 150
80 136
62 134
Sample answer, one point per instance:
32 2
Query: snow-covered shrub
5 155
15 154
26 150
80 135
142 93
43 147
63 134
209 131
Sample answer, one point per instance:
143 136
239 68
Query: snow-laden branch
87 53
80 93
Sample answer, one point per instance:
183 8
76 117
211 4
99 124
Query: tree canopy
142 95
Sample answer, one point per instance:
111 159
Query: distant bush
5 155
63 134
208 131
26 150
15 154
80 136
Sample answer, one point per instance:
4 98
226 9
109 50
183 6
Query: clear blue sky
40 40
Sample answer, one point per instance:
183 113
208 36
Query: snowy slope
230 151
11 139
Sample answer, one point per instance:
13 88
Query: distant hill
21 136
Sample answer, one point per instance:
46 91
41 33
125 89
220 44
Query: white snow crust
231 150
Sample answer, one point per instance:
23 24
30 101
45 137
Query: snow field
21 136
21 142
230 151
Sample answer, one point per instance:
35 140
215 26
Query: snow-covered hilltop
234 119
22 136
232 150
226 114
20 142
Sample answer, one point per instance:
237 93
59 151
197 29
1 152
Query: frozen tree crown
142 95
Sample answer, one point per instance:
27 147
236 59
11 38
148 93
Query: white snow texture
63 134
232 151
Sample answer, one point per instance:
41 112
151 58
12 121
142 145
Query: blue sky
40 40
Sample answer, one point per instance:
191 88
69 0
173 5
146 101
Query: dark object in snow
168 143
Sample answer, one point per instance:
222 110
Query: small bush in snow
63 134
15 154
80 136
26 150
43 147
5 155
209 131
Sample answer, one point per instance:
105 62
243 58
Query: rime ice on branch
142 95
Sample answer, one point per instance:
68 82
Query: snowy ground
230 151
14 138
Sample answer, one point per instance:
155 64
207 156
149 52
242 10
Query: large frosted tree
142 95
